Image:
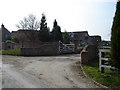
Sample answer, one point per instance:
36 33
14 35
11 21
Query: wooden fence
104 58
66 48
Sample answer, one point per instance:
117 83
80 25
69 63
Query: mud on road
43 72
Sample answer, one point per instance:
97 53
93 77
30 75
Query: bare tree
22 24
29 22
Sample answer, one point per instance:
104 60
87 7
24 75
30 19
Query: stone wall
45 49
88 53
6 46
19 45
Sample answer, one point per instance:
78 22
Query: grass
11 52
110 78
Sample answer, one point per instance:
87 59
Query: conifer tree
115 39
44 32
56 32
66 37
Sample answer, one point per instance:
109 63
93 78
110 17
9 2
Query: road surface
43 72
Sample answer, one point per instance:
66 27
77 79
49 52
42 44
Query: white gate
66 48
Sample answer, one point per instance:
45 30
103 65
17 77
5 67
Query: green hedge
11 52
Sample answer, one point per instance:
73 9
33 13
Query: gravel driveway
44 72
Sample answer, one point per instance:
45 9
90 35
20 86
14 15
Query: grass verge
110 78
11 52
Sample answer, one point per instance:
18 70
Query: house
79 38
105 43
5 33
4 36
94 40
26 38
25 35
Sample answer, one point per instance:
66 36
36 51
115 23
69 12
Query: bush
11 52
79 49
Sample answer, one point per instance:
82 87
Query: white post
65 47
100 61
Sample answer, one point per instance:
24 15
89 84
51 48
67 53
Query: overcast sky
95 16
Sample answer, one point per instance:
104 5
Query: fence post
100 61
103 58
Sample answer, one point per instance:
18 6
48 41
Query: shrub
11 52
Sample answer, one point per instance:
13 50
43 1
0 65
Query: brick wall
45 49
89 53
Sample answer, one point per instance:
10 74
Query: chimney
2 26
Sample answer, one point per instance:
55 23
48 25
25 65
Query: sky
94 16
